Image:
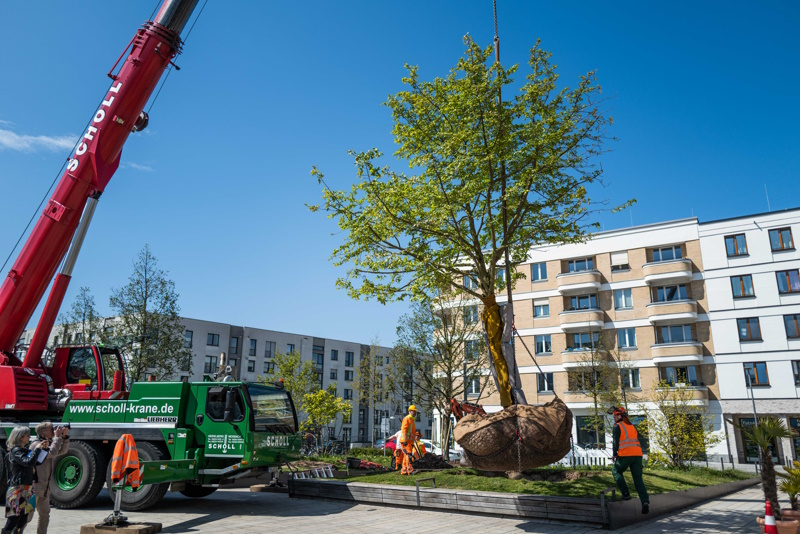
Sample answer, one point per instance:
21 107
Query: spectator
20 500
57 443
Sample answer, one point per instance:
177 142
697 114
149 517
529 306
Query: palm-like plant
764 433
791 483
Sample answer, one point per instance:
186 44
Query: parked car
391 444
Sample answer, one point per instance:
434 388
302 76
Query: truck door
223 438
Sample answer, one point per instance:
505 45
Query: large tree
148 321
81 323
488 178
437 347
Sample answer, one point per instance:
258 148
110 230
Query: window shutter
619 258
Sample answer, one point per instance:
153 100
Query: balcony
668 272
576 357
697 394
577 283
687 352
672 312
581 320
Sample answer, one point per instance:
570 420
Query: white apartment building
250 351
751 270
642 289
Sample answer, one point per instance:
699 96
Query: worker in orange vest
628 454
419 447
407 438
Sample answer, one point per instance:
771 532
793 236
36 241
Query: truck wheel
77 475
147 495
196 492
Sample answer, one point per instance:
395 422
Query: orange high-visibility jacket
408 431
125 462
628 441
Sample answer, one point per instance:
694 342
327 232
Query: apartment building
641 291
751 269
250 352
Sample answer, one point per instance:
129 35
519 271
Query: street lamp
753 398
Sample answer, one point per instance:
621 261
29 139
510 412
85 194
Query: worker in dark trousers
628 454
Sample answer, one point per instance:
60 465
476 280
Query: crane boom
87 174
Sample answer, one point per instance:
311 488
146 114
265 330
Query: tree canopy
412 234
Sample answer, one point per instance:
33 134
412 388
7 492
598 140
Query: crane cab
90 372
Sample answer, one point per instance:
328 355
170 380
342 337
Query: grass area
589 484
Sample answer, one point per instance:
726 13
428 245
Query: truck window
110 364
82 367
273 409
215 404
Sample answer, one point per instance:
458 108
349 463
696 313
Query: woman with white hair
22 461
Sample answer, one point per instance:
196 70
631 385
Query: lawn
574 483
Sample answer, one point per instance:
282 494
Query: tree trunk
445 433
769 483
504 369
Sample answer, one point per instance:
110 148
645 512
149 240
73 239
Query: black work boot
645 508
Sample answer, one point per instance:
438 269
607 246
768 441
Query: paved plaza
241 512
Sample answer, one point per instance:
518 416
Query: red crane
61 228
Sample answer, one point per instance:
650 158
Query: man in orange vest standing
628 454
408 435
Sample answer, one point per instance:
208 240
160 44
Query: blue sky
704 97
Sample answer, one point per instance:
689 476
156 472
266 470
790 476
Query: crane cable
75 146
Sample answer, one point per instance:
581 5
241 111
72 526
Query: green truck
191 437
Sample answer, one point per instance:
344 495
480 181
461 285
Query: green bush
358 452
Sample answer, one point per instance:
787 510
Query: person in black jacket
21 463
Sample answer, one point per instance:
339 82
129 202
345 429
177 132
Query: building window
234 348
669 293
736 245
210 365
319 378
742 286
630 378
348 395
583 264
334 355
542 344
187 339
269 349
348 359
749 329
212 340
348 375
591 431
538 272
583 341
626 338
474 387
232 362
781 239
667 253
758 373
253 343
679 375
318 358
583 302
269 367
251 366
544 382
472 350
674 334
788 281
619 262
541 308
623 299
796 372
792 324
470 282
471 314
334 374
289 348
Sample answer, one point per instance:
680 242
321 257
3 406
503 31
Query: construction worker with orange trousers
408 435
628 454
